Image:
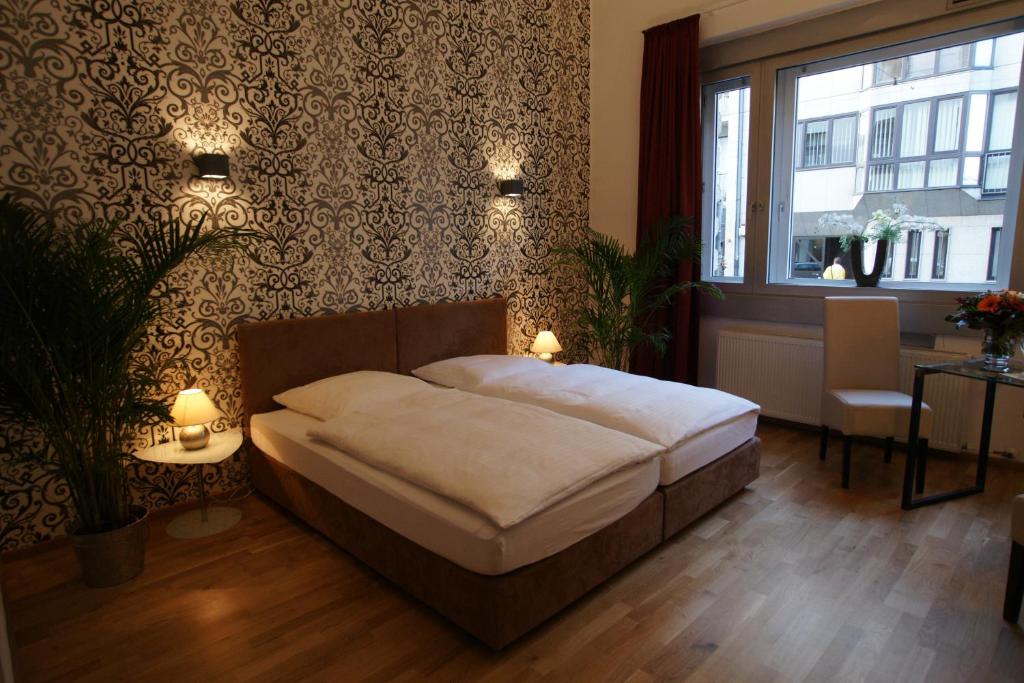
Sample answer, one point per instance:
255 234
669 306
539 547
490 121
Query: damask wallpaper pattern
365 138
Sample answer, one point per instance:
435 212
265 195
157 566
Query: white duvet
505 460
666 413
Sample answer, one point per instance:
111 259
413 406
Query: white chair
1015 580
860 394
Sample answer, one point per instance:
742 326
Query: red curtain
670 176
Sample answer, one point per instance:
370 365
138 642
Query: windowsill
910 290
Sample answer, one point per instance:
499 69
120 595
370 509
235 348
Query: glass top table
971 368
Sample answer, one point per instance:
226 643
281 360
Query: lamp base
204 522
194 437
546 357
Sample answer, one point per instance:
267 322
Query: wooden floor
795 579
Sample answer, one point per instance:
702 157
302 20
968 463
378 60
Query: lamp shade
193 407
512 187
546 343
213 165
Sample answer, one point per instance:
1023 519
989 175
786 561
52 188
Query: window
982 58
826 142
932 63
916 145
939 254
994 240
928 147
887 270
1000 139
727 104
911 269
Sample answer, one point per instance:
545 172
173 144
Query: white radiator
783 375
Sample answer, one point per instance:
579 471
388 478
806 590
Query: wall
616 55
365 139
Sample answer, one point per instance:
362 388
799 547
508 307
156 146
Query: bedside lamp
192 409
544 345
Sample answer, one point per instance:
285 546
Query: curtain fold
670 176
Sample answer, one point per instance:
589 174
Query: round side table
205 521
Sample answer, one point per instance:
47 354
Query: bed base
498 610
495 609
700 492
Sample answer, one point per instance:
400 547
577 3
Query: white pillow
327 398
469 372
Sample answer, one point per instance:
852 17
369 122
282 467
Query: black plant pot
857 255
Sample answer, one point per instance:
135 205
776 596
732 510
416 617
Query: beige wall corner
616 52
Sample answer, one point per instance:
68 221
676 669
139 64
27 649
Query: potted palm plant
625 291
77 303
886 226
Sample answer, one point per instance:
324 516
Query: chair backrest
862 342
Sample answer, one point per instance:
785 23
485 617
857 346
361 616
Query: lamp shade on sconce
513 187
192 409
545 344
212 166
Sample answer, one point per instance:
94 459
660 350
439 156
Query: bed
697 427
496 584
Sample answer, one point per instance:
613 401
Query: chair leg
888 449
1014 584
824 442
922 463
847 448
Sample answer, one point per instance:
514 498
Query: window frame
709 89
987 150
995 251
930 154
912 258
829 163
905 65
781 105
944 234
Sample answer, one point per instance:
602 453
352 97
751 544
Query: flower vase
997 350
863 278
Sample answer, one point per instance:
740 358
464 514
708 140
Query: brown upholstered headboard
280 354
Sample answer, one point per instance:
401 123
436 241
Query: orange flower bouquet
1001 316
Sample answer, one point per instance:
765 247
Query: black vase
857 255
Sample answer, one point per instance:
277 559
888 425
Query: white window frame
708 136
786 72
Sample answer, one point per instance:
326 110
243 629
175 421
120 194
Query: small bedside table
204 521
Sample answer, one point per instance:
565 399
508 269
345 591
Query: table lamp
544 345
192 409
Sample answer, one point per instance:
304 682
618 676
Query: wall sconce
513 187
212 166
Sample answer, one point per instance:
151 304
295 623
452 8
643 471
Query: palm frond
625 291
78 303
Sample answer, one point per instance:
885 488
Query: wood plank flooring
794 579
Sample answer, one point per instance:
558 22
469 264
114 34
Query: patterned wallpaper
365 137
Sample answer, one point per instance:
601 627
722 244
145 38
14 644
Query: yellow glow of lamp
544 345
192 410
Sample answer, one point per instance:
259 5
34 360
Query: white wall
616 54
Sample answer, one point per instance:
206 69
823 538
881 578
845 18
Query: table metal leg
909 472
202 492
922 463
986 434
847 456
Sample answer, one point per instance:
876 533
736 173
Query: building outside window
994 243
913 254
939 254
728 106
931 130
